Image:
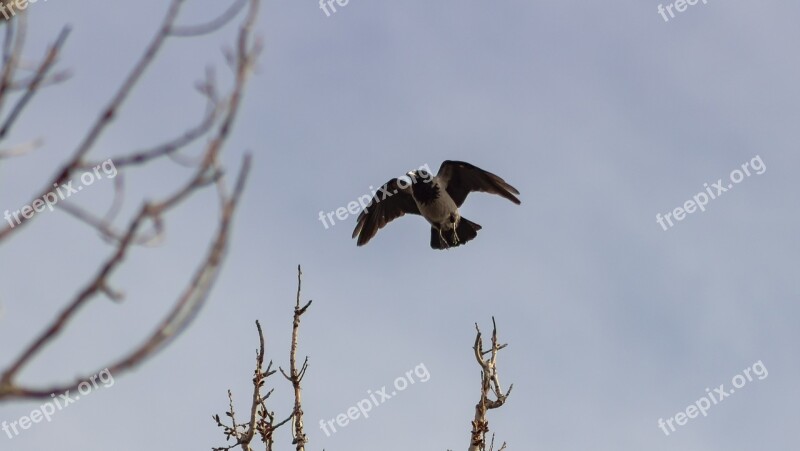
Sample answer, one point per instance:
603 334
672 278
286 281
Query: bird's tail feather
466 231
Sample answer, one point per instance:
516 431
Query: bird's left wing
389 203
460 178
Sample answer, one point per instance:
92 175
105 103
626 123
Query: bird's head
419 175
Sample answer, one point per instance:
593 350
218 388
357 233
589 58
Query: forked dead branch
490 384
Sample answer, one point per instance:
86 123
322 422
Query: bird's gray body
440 210
442 215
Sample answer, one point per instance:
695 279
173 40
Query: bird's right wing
389 203
460 178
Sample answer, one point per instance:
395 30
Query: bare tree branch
213 111
207 172
178 318
213 25
490 381
108 113
37 79
13 44
299 438
20 149
262 420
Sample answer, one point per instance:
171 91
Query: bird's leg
455 235
441 237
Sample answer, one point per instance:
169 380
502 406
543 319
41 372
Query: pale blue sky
601 114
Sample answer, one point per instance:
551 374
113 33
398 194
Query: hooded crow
436 199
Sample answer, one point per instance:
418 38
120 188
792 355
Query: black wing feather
381 211
462 178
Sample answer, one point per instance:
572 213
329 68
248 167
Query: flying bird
435 198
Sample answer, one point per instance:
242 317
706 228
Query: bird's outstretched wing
460 178
389 203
